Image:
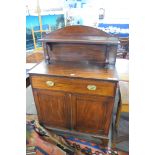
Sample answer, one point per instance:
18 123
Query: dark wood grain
53 108
90 113
80 34
72 70
78 53
80 43
73 85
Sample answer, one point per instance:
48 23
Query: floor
120 138
30 105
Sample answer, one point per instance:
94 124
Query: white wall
116 11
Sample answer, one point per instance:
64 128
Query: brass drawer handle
91 87
50 83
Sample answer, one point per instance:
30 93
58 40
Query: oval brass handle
50 83
91 87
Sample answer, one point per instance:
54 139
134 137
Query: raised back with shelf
80 44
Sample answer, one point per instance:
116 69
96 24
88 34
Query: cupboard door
91 114
52 108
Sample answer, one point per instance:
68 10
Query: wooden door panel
91 113
52 108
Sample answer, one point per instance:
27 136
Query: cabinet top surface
86 71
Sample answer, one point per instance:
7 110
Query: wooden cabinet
84 113
74 88
71 104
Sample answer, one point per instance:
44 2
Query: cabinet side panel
111 54
35 95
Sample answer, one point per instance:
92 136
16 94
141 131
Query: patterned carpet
42 146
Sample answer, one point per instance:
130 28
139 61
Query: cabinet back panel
78 52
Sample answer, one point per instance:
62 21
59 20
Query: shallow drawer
74 85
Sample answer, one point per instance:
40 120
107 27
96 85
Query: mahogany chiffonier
74 88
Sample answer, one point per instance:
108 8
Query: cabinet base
94 138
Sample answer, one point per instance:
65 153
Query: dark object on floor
27 81
42 147
43 132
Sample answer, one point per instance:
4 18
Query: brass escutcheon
50 83
91 87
